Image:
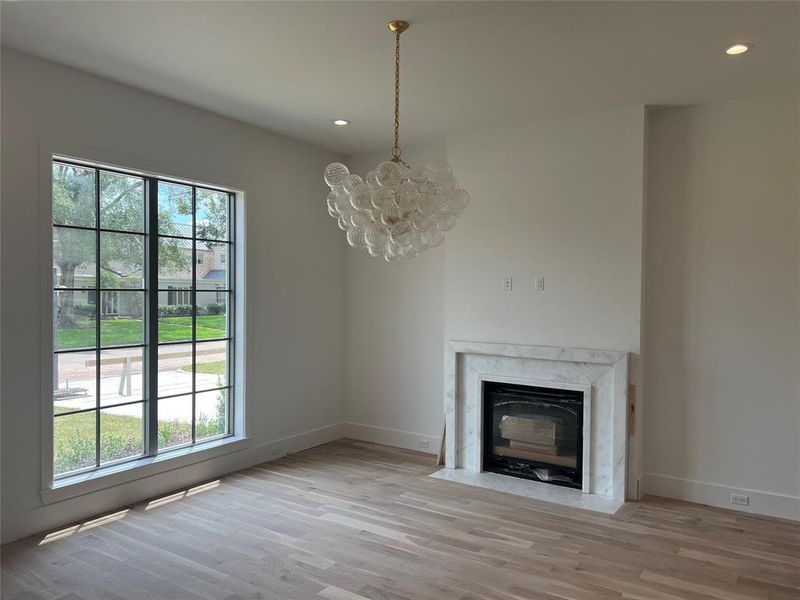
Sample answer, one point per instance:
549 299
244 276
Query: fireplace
597 379
534 433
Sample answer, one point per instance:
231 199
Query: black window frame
150 344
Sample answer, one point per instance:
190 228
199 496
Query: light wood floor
350 520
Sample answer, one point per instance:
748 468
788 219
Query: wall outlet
508 284
539 284
740 500
424 444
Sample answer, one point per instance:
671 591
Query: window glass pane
122 318
74 201
193 279
212 265
175 320
74 258
174 209
74 442
211 220
121 432
75 385
74 319
174 421
174 263
121 376
121 202
211 365
212 315
174 370
121 260
212 414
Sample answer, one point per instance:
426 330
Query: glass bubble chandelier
399 210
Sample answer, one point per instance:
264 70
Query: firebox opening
533 432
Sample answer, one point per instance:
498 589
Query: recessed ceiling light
738 49
341 122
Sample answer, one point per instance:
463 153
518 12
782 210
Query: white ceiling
293 66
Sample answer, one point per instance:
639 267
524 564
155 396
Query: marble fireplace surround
602 374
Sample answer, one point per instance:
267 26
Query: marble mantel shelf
585 355
603 373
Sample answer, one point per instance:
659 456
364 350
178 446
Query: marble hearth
602 375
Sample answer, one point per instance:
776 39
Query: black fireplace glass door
533 432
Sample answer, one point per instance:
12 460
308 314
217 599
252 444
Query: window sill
86 483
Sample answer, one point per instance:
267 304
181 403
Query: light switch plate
508 284
539 284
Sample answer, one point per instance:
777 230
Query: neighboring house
211 269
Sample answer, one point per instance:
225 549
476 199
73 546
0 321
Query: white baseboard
301 441
712 494
392 437
49 517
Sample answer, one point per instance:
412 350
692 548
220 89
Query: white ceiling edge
291 67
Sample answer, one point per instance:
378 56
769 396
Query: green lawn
173 329
214 367
121 436
119 332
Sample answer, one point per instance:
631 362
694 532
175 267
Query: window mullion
151 430
230 303
193 298
98 316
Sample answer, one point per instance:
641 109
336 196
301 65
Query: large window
142 316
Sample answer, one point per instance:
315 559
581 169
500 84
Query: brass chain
396 147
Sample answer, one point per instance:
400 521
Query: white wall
722 318
560 198
295 261
720 397
395 335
